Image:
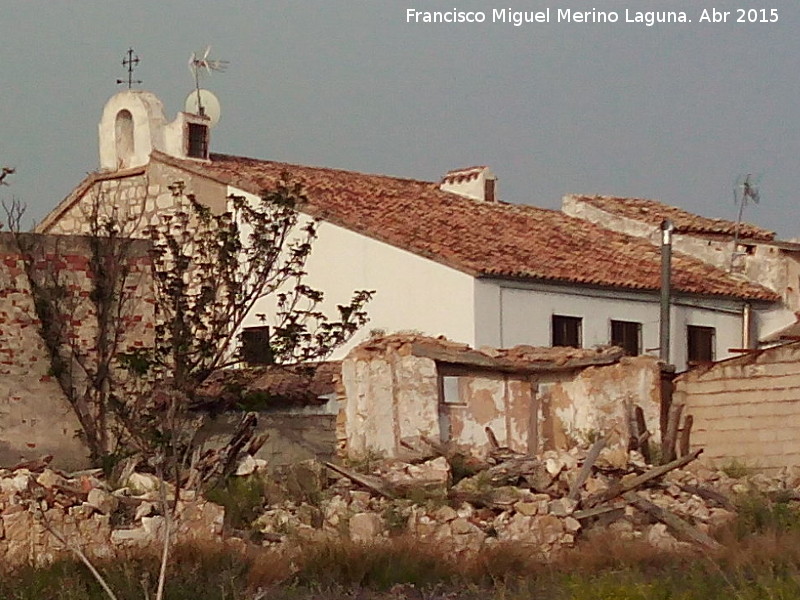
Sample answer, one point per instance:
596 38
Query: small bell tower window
123 137
198 140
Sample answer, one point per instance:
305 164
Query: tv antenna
745 190
196 67
130 61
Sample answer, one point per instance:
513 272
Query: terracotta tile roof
654 212
483 239
275 385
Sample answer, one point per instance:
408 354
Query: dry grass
760 559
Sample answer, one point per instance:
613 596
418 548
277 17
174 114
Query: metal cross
131 61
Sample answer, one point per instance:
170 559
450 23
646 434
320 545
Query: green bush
243 499
759 513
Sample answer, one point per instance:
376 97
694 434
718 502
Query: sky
674 111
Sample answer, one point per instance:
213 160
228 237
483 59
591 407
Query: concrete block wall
746 409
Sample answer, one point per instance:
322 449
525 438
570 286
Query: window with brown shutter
628 336
700 344
567 331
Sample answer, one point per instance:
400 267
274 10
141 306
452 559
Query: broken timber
586 469
368 482
476 358
681 528
634 482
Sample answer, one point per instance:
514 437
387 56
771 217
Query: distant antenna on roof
196 66
745 190
130 61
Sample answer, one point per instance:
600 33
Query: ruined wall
746 409
291 438
35 417
574 407
501 401
391 395
373 418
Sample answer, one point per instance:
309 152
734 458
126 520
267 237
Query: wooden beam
678 526
370 483
685 435
586 469
626 485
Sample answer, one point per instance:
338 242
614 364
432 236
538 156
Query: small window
567 331
489 188
700 344
198 141
451 389
256 349
123 136
628 336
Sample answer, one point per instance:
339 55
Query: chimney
477 183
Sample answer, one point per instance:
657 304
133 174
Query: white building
445 258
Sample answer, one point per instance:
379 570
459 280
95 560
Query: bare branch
75 549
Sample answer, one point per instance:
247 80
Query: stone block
365 527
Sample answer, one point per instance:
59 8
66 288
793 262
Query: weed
736 469
377 565
366 462
396 515
758 513
243 500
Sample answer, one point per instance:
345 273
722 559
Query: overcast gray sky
674 111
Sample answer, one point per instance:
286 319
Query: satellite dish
207 101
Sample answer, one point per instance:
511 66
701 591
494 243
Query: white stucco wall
420 295
412 293
507 315
147 114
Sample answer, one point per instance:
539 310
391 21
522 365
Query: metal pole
666 270
747 320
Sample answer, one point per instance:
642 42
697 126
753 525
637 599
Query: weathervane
131 61
196 65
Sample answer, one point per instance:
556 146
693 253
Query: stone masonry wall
35 417
137 200
746 409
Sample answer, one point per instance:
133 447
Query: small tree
208 271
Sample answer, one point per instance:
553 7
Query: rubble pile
544 502
42 509
457 501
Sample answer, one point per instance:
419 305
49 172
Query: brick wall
746 409
35 417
